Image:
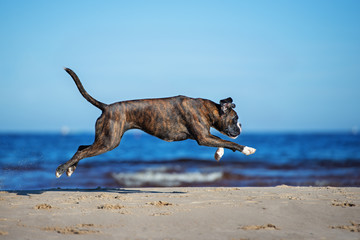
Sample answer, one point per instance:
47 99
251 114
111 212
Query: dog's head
228 123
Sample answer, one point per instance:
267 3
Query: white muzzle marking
239 126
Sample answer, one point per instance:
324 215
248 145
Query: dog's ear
226 105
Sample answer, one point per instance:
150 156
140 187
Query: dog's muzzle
234 132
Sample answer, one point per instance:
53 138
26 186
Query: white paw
248 150
219 153
70 171
59 171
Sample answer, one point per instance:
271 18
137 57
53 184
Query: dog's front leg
213 141
219 153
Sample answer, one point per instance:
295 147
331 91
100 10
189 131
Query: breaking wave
162 177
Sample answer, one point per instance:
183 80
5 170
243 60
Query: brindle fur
171 119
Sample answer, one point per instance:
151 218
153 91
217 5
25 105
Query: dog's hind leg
107 137
93 150
97 148
71 169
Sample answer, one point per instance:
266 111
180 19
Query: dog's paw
219 153
70 170
248 150
59 171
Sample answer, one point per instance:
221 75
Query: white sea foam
159 177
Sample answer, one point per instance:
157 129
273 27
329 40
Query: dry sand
182 213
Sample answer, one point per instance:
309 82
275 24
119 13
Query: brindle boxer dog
171 119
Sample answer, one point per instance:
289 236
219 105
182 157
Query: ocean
28 162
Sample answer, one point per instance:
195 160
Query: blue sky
288 65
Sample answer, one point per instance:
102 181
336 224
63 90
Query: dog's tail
89 98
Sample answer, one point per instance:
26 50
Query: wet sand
182 213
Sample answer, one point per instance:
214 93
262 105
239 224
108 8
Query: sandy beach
182 213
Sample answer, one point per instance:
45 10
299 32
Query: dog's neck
214 114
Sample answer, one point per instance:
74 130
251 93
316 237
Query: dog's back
173 113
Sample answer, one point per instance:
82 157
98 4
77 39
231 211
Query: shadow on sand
95 190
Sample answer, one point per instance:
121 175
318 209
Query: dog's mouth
233 136
230 134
